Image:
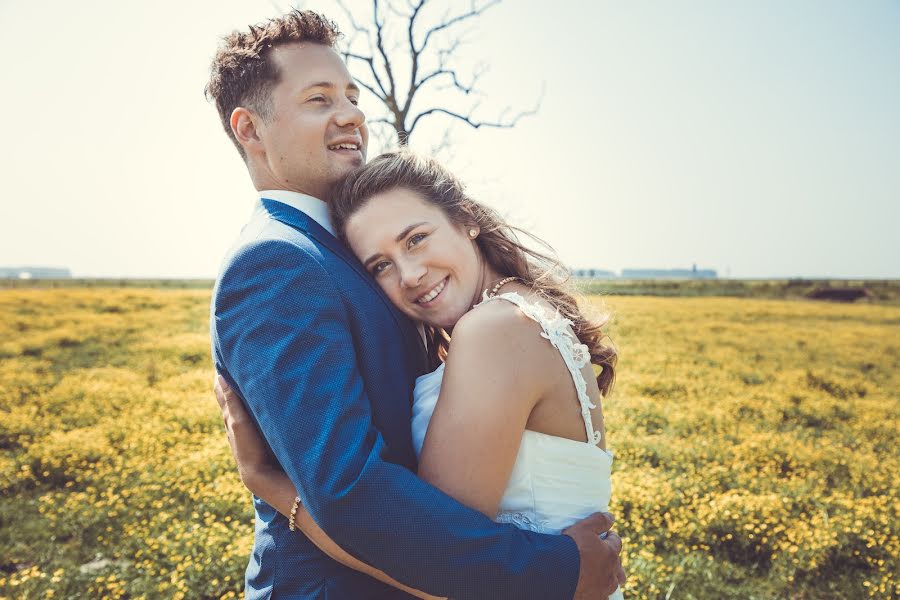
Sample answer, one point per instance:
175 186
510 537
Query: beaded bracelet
291 523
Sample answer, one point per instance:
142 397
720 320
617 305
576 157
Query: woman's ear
473 231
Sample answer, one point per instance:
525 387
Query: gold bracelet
291 523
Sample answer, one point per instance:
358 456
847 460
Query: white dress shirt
315 208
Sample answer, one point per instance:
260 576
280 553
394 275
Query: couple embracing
388 459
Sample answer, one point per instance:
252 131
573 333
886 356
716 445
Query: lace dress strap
576 355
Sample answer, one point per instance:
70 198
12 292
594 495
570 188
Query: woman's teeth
433 293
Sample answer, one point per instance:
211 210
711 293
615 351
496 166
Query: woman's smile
430 297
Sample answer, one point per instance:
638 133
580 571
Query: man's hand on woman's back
601 568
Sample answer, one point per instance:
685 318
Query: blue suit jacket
326 366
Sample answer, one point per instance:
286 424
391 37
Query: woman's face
427 265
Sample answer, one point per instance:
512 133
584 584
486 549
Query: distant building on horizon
594 273
34 273
692 273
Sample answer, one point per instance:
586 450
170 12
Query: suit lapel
299 220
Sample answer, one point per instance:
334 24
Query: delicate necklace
500 284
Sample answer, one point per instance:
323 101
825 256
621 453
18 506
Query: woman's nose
411 273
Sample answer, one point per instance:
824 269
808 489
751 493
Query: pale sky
758 138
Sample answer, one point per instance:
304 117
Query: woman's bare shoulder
490 319
501 334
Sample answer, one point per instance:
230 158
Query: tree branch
379 43
356 26
465 89
473 12
369 88
443 145
469 120
392 38
371 62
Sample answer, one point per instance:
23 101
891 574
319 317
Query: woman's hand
251 453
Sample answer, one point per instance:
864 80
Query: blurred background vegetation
882 291
755 441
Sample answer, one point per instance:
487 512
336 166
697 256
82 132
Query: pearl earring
472 233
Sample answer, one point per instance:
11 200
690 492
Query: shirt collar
316 209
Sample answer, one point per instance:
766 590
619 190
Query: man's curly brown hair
242 73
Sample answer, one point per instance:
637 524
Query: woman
518 432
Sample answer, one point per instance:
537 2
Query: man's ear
244 125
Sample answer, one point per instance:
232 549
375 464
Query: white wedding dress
555 481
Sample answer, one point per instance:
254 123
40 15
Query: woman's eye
416 239
354 101
380 267
317 99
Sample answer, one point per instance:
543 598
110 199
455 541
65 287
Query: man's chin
341 175
359 160
347 164
346 156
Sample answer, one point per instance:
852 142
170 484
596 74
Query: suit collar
290 215
300 220
309 205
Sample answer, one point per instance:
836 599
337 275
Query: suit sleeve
284 340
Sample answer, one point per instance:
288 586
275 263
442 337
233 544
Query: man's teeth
344 147
433 293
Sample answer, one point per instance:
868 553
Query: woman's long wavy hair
498 243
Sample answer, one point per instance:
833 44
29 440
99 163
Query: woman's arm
274 487
494 376
259 471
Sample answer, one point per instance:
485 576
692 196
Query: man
326 365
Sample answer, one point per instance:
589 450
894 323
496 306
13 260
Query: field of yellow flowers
755 440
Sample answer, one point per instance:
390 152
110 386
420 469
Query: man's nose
350 115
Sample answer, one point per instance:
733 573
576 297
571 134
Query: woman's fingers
220 388
232 407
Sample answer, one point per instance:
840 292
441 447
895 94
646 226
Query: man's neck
263 179
284 192
263 186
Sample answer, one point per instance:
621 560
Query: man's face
316 134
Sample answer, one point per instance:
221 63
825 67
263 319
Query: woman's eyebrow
408 228
399 237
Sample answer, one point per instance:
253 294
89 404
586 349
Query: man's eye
354 101
317 99
416 239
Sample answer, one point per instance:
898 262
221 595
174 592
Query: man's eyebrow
399 237
321 84
327 84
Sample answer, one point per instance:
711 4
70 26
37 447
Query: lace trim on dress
576 355
524 521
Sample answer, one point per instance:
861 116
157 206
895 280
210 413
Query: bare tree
401 57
